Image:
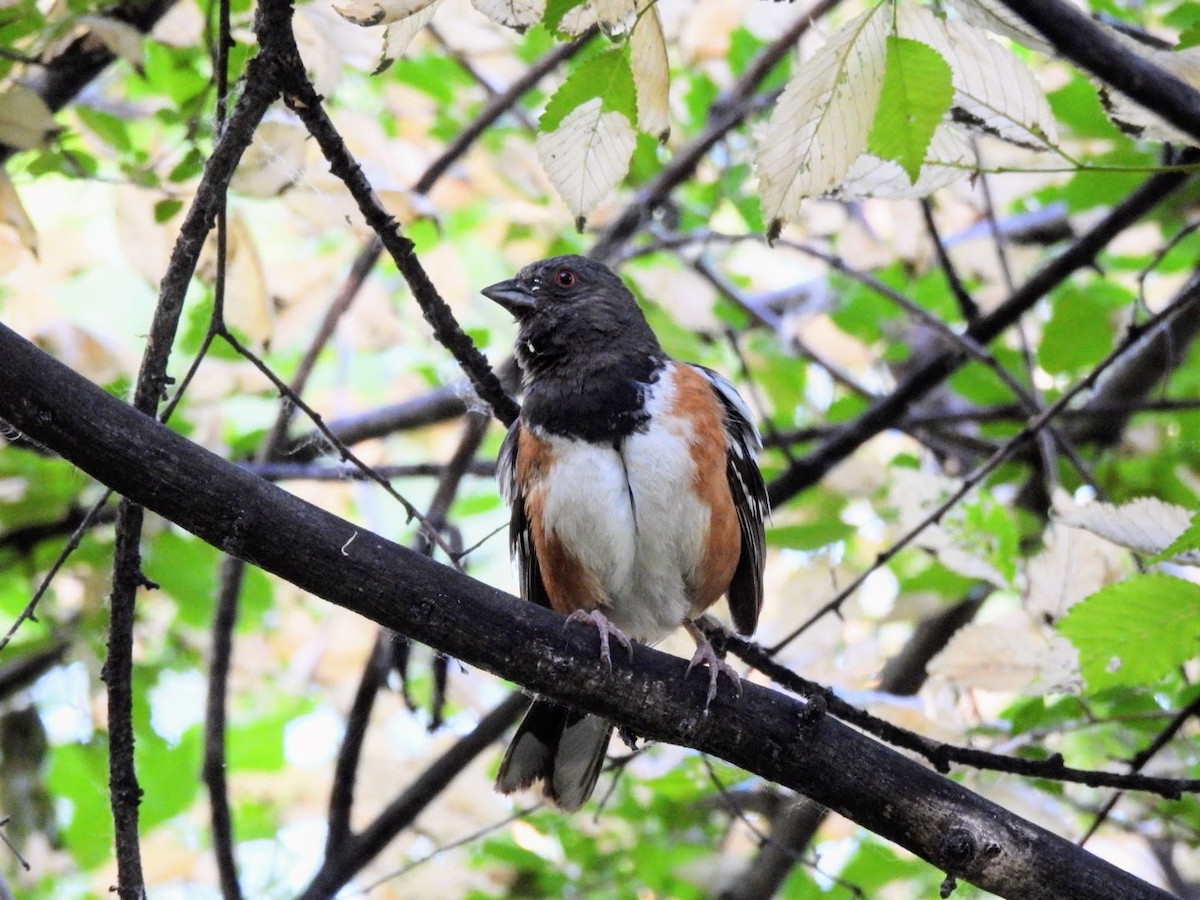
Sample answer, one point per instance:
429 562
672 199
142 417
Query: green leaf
1136 631
812 536
1079 333
1189 540
257 745
1077 105
161 768
256 820
106 126
184 567
917 89
556 11
607 76
1189 37
79 774
164 210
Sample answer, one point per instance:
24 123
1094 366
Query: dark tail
561 747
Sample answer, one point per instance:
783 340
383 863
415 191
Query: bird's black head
576 316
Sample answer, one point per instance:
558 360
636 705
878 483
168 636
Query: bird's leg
708 656
606 628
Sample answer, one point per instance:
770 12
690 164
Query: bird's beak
512 295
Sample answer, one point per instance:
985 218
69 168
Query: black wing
520 537
749 499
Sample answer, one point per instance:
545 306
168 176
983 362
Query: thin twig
1140 759
1186 298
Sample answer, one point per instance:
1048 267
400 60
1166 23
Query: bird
636 500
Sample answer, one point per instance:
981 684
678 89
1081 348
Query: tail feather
561 747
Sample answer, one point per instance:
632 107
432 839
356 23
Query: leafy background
1069 563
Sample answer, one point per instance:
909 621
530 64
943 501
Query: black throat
599 404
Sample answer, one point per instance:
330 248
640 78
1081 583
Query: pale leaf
397 36
26 122
12 214
587 155
1073 565
615 17
407 206
999 19
651 74
380 12
1011 654
248 305
518 14
273 162
821 121
993 91
577 20
949 160
144 241
1147 524
88 352
915 495
1133 118
121 38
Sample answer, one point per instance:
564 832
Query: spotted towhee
636 501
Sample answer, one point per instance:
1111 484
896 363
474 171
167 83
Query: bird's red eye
565 278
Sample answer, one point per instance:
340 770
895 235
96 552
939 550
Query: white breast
632 517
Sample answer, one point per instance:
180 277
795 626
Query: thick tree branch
780 738
1084 42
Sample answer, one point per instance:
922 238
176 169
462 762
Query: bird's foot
607 630
706 655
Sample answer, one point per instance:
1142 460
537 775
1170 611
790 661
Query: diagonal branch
780 738
1084 42
889 411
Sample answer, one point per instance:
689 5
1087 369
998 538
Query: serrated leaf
1012 654
916 93
1073 565
587 155
1136 631
1147 524
398 35
821 121
959 544
26 122
518 14
615 17
567 16
994 91
13 214
607 77
948 160
651 74
380 12
1133 118
1185 548
999 19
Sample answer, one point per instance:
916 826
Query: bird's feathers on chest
618 523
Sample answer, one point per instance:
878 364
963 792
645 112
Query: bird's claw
705 654
606 628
